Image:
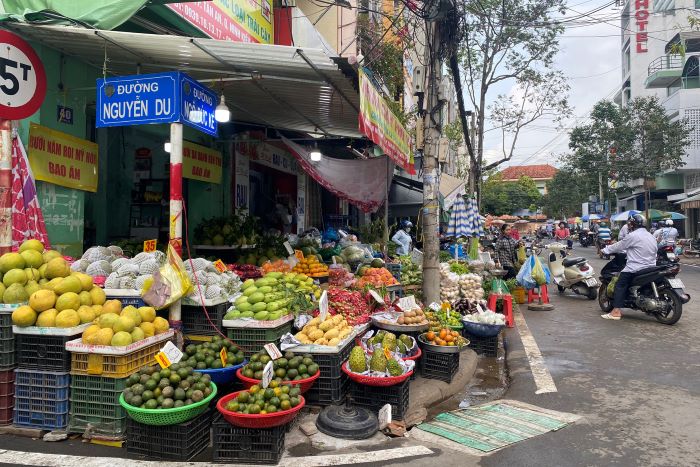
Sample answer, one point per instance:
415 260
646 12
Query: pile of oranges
277 266
446 337
310 266
376 277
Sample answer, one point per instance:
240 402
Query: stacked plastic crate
42 377
7 366
99 375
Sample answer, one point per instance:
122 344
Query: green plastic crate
251 340
8 359
92 409
96 389
105 426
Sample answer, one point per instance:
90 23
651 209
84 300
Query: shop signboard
242 179
23 85
167 97
379 124
231 20
62 159
201 163
269 156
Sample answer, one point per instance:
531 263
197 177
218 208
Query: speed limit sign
22 78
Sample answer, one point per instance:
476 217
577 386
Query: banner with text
379 124
62 159
201 163
231 20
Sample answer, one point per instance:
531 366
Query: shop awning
690 203
278 86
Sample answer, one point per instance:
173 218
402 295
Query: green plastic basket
162 417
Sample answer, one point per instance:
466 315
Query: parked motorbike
586 238
572 273
691 248
667 254
656 291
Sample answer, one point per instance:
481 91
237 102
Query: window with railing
665 62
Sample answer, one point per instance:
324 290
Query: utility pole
431 243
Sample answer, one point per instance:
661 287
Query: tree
499 197
566 192
638 141
510 41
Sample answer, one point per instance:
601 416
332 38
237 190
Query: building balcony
663 71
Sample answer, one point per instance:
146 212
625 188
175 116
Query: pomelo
42 300
98 296
24 316
68 300
11 261
67 318
47 319
32 258
121 339
15 294
31 244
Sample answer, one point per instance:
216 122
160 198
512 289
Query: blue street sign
155 98
198 105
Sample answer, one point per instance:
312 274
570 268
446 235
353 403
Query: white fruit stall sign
22 78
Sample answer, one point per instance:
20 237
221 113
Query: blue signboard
155 98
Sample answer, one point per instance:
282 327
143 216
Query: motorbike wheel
560 288
592 293
676 307
604 301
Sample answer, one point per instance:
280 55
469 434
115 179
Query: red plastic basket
375 380
414 357
268 420
304 384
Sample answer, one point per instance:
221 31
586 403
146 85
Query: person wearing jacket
402 238
506 252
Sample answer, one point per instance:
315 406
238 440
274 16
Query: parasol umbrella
458 225
676 216
623 216
498 222
655 214
592 217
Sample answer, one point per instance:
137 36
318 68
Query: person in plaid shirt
506 254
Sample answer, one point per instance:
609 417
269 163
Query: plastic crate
329 363
486 346
42 405
246 445
114 366
394 269
326 391
175 442
80 384
375 397
7 409
97 425
126 300
42 352
96 409
48 421
6 331
194 321
441 366
251 340
7 382
42 385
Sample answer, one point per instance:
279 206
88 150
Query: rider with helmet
402 238
666 235
640 246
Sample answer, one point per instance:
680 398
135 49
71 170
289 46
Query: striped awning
690 203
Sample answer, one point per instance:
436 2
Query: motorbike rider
624 231
640 246
666 235
402 238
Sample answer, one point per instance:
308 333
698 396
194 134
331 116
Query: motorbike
691 248
603 244
656 291
572 273
586 238
667 254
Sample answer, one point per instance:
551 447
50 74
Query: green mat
496 425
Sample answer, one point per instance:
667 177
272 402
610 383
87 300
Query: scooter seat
573 261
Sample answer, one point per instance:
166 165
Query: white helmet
669 222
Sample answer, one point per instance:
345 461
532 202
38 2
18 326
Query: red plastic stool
507 306
532 296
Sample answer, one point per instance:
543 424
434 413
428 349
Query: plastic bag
169 284
538 273
524 276
522 256
611 286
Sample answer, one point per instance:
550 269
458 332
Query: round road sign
22 78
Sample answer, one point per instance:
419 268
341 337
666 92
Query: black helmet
636 220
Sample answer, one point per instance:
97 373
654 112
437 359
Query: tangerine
430 336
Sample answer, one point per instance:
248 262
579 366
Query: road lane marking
543 379
63 460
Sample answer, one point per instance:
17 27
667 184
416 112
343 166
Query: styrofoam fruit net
119 262
148 267
128 282
141 280
115 250
112 281
213 291
128 269
140 258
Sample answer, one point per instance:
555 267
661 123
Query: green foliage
499 197
566 192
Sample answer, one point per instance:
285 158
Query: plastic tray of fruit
304 383
315 348
46 331
369 380
122 293
458 343
78 346
254 323
257 420
390 326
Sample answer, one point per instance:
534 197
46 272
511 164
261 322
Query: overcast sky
590 57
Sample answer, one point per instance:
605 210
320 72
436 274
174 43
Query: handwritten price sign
149 246
220 266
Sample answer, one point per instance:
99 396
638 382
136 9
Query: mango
262 315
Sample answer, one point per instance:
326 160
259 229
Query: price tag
479 309
323 306
384 416
378 298
387 353
268 374
434 306
299 254
223 356
149 246
288 247
220 266
273 351
168 355
407 303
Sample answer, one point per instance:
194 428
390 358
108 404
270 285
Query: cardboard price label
299 254
387 353
220 266
407 303
168 355
323 306
224 356
288 247
272 351
377 298
149 246
268 374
